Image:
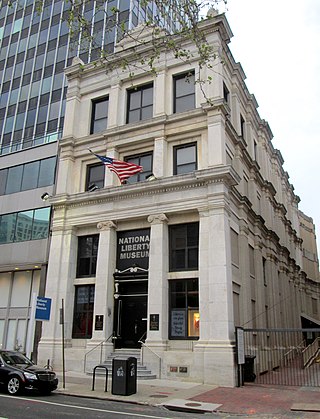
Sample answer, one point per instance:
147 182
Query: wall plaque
98 325
154 322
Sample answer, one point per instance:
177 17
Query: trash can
248 369
124 376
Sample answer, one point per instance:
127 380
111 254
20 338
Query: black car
18 373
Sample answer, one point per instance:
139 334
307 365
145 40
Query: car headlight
30 376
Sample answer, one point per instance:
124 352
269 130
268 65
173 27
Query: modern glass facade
35 47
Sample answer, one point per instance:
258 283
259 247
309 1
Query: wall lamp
151 177
93 187
45 196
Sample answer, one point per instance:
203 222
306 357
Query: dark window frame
88 269
183 247
176 167
82 325
141 108
178 95
184 301
90 180
94 120
142 176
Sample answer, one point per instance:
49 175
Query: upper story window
99 119
184 92
184 159
24 225
144 160
184 246
226 93
95 176
87 255
27 176
242 127
140 103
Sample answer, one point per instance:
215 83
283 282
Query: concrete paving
249 401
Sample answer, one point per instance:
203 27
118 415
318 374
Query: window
140 103
184 309
87 255
27 176
25 225
242 127
95 175
185 159
226 93
184 92
234 247
184 245
144 160
251 262
99 120
83 312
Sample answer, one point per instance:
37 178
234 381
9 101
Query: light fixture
45 196
151 177
93 187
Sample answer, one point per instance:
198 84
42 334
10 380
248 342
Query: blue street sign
43 308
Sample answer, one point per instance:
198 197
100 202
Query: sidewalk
248 401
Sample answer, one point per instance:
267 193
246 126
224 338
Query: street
57 406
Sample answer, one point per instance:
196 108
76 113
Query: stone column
103 300
214 352
61 273
158 280
159 157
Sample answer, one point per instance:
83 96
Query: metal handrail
94 348
144 345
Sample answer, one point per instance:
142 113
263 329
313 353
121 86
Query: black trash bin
124 376
248 369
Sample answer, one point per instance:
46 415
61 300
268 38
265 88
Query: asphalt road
61 406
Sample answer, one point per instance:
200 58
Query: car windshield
15 359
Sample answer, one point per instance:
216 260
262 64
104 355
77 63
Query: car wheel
14 385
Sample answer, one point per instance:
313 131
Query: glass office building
35 48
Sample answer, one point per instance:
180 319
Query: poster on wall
133 249
178 323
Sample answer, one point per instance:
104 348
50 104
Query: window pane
40 226
24 226
30 176
135 100
47 172
83 312
185 103
14 179
7 227
87 255
95 176
147 97
3 180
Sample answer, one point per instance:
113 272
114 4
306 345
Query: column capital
157 219
106 225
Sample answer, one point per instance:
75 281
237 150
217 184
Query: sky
277 43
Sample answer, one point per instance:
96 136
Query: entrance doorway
131 314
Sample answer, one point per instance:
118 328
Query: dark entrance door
130 316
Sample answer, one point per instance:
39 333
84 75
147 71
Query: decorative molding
106 225
157 219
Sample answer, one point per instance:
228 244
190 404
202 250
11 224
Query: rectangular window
184 92
184 159
251 262
140 103
242 127
27 176
184 309
144 160
87 256
234 248
99 119
25 225
184 247
226 93
95 176
83 312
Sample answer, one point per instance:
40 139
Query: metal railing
145 346
95 348
31 142
311 352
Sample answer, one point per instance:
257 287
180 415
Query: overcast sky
277 43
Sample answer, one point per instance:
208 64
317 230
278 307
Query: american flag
122 169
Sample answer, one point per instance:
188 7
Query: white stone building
211 243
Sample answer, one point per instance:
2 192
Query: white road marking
84 408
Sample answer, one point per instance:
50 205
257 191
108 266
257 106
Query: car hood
30 368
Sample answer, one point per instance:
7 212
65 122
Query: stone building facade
210 241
